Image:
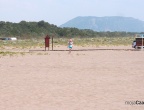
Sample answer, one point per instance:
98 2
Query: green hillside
27 30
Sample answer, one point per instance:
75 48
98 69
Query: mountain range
108 23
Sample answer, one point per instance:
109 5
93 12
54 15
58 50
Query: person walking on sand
70 45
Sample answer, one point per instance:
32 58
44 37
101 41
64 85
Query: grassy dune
33 43
99 41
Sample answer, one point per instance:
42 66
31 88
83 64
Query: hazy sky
58 12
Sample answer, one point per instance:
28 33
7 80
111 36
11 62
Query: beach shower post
47 41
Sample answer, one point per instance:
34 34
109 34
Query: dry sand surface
82 80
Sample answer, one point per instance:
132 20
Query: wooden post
52 42
142 42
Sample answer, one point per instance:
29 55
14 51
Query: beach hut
138 43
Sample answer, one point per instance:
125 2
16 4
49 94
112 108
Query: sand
83 80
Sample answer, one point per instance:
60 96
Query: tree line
39 29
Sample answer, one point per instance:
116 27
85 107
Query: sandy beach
83 80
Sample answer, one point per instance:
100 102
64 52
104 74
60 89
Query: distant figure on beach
70 45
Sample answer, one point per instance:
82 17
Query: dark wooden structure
47 42
139 41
